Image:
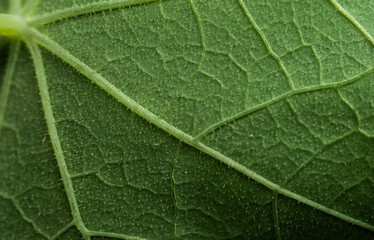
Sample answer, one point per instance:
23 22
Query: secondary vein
62 231
182 136
173 189
52 129
266 43
28 6
280 98
352 20
275 216
9 72
113 235
22 213
81 10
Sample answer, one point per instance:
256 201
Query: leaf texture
186 119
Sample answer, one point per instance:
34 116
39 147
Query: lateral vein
266 43
182 136
22 213
352 20
81 10
280 98
275 216
28 6
9 72
52 129
113 235
62 231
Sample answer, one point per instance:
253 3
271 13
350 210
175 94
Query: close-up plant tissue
186 119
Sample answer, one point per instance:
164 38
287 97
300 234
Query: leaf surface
188 120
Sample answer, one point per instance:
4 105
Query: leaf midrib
89 8
5 88
182 136
144 113
53 135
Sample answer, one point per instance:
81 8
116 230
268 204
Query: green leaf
186 119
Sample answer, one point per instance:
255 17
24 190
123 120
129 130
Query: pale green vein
202 36
186 138
197 17
275 216
277 99
113 235
349 105
22 213
29 5
85 9
346 189
7 81
107 86
52 129
173 190
266 42
357 116
309 160
105 182
62 230
352 20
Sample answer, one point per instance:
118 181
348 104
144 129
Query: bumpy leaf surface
187 119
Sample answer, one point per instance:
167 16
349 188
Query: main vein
28 6
85 9
184 137
9 72
52 129
352 20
